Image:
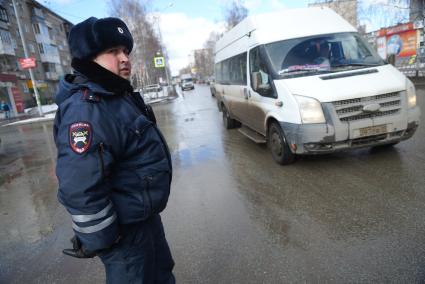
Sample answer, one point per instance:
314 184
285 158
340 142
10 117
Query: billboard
27 63
402 44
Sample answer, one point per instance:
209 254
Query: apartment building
45 34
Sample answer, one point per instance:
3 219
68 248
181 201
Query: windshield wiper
308 70
356 64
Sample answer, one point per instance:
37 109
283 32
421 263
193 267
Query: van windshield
187 80
321 54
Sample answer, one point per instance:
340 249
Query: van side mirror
263 88
256 80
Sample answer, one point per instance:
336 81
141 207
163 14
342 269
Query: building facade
46 36
417 11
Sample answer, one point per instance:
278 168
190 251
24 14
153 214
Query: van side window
238 69
225 74
260 75
217 72
232 70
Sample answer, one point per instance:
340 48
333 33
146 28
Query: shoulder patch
80 136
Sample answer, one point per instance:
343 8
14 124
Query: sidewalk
31 115
49 111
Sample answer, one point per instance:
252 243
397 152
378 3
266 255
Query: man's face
116 60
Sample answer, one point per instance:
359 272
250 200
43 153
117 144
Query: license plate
372 130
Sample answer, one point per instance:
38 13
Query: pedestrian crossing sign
159 62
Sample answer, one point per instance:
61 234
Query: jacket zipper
100 151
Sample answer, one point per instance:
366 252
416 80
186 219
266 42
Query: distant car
187 82
152 88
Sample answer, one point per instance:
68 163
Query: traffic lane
343 217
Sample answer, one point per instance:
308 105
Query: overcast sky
185 24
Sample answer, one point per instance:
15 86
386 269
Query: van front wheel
278 145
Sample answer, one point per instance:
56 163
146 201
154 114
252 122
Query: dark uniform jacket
113 164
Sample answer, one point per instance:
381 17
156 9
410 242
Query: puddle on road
28 184
188 157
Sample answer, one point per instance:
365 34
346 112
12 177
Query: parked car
152 88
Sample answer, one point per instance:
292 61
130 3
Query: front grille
352 109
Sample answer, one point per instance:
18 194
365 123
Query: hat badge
120 30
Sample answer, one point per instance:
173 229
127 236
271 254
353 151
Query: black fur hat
92 36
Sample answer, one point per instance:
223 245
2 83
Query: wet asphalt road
234 216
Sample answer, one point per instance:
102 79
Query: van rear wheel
229 123
278 145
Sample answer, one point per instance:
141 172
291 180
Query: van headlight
411 94
310 110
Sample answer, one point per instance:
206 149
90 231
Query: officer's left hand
78 250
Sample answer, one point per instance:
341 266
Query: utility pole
21 32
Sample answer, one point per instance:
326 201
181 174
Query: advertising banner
402 44
27 63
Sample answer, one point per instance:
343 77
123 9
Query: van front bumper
335 136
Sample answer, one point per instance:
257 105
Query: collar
101 76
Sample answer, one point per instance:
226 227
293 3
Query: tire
278 145
228 122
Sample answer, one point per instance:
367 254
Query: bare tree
380 14
185 70
146 43
235 13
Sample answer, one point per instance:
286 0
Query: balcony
6 49
42 38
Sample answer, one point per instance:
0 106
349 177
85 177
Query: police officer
113 166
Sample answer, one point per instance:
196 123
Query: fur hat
92 36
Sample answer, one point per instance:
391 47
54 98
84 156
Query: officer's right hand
78 250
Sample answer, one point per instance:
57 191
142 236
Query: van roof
276 26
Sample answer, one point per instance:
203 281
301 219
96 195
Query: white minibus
305 82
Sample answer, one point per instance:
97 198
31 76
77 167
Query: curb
29 121
170 98
49 118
